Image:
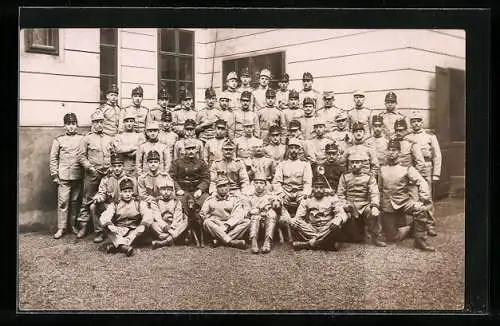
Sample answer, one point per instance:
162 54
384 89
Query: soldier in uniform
232 168
394 182
226 114
127 143
189 134
360 192
157 112
371 165
245 114
360 113
377 141
245 86
431 152
293 110
275 149
259 94
152 143
246 143
391 115
318 220
223 215
283 93
307 121
332 168
66 172
125 220
295 132
259 163
315 147
308 91
111 112
185 112
410 154
212 150
94 155
232 92
328 112
341 135
269 115
138 110
205 118
171 223
262 213
166 135
192 179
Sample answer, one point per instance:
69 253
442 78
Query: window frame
179 84
108 45
39 48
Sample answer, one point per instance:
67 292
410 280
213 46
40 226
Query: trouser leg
178 227
90 187
63 202
372 224
420 218
95 212
254 226
389 228
134 234
270 223
431 223
303 229
239 230
75 203
216 229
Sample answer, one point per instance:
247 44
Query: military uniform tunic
389 120
372 166
171 219
155 114
327 115
240 117
292 114
145 148
169 138
245 146
259 95
234 98
127 144
312 93
343 138
180 116
268 116
282 99
234 170
212 150
315 149
180 151
112 118
207 117
293 177
379 145
307 126
228 116
140 113
363 115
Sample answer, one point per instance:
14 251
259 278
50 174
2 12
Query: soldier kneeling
318 220
125 220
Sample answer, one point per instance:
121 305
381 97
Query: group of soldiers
251 165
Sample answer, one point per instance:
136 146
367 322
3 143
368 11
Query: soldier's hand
180 192
92 170
197 194
435 178
98 199
375 211
426 201
56 180
112 228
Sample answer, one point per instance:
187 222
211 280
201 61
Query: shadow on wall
37 194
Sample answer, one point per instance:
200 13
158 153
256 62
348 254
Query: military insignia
320 169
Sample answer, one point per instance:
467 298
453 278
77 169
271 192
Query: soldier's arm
206 152
339 211
102 191
167 160
177 149
278 178
174 173
244 179
418 158
120 147
139 158
374 192
142 191
107 216
257 126
178 218
374 163
146 212
307 179
54 159
82 154
121 125
237 214
302 210
437 158
309 151
206 209
342 188
423 188
213 177
204 177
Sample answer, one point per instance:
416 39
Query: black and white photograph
241 169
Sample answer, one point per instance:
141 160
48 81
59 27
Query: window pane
108 60
167 67
167 40
106 82
108 36
186 42
172 91
41 36
186 69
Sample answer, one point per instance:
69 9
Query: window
42 40
175 61
109 60
275 62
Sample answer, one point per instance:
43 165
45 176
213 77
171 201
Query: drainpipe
213 59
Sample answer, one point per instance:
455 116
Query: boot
73 216
403 233
299 245
240 244
377 242
59 234
254 233
422 244
162 243
127 250
255 246
266 247
83 229
431 232
110 248
270 225
99 238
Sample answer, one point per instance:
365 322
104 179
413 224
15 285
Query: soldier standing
315 147
157 112
232 168
185 112
269 115
245 114
431 152
189 134
371 165
391 115
66 172
152 143
341 135
410 154
275 149
94 155
307 121
292 111
125 220
166 135
245 86
111 112
283 93
258 163
328 112
205 118
394 181
212 150
318 220
377 141
360 192
295 132
226 114
223 215
308 91
246 143
360 113
232 92
259 94
138 110
127 143
332 168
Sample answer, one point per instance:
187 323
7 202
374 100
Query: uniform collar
418 132
219 197
154 175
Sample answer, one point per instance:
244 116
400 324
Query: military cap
246 95
138 91
318 122
284 78
293 94
295 142
189 143
328 95
163 94
394 143
126 183
248 122
358 125
70 117
417 115
231 75
245 72
221 180
97 115
153 125
400 123
128 114
166 116
153 155
270 93
377 119
112 89
116 158
228 144
391 97
165 183
186 95
224 95
221 123
307 100
189 124
341 116
210 92
358 92
274 130
307 76
332 147
265 73
294 125
319 182
259 175
358 156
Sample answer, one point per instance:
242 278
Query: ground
73 274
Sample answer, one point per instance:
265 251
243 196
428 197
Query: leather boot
240 244
299 245
403 233
432 232
83 230
255 246
127 250
110 248
377 242
266 247
270 225
422 244
59 234
162 243
72 218
99 238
